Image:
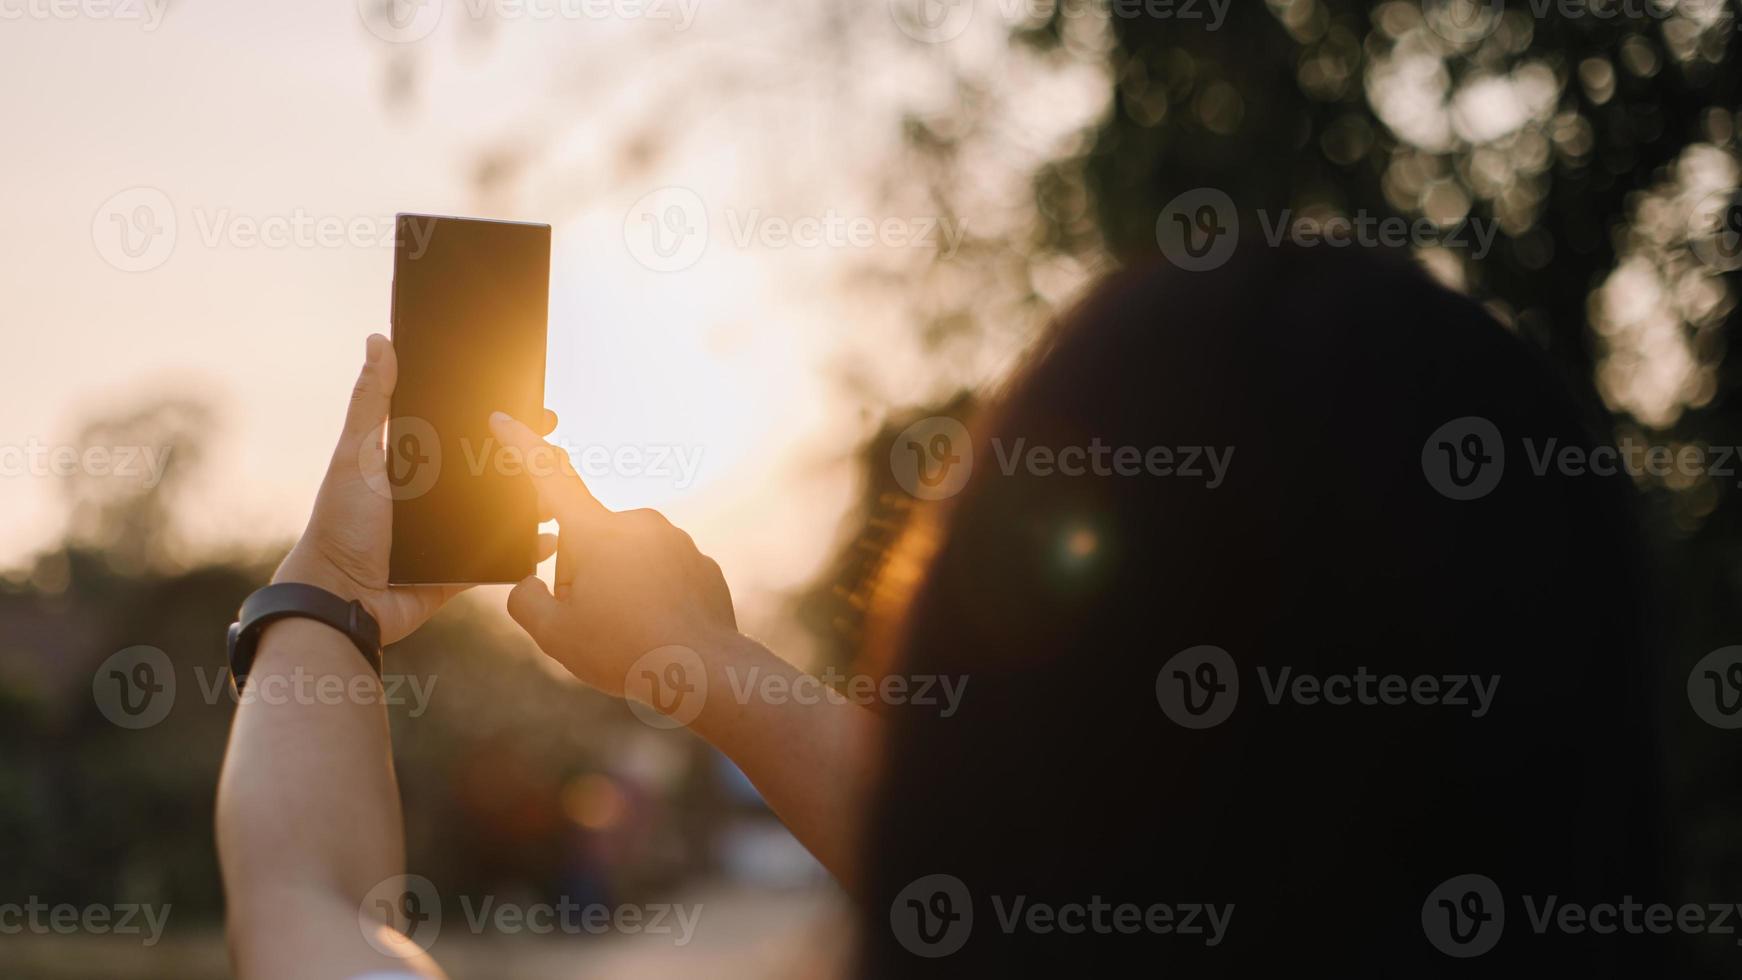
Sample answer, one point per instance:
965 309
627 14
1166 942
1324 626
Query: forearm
308 809
808 760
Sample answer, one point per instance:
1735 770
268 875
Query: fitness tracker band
295 600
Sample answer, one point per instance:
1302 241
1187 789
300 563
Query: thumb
533 607
373 392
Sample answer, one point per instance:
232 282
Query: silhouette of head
1265 599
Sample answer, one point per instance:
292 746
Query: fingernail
372 350
499 418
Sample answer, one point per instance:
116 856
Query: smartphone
471 301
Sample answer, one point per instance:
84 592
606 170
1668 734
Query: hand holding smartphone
470 311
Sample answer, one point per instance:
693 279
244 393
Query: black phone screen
470 304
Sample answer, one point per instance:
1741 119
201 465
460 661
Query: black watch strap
295 600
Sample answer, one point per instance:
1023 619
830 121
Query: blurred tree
1562 130
121 503
1603 146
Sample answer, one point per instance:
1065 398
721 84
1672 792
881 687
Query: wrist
728 659
270 613
301 567
297 640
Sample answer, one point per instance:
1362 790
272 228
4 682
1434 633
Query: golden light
1082 543
594 801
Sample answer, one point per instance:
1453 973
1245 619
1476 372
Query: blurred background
783 230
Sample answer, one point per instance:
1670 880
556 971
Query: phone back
470 308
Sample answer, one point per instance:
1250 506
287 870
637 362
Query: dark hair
1332 545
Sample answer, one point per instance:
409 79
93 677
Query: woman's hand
626 583
344 548
631 590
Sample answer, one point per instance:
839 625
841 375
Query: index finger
560 488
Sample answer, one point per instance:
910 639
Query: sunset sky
236 121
